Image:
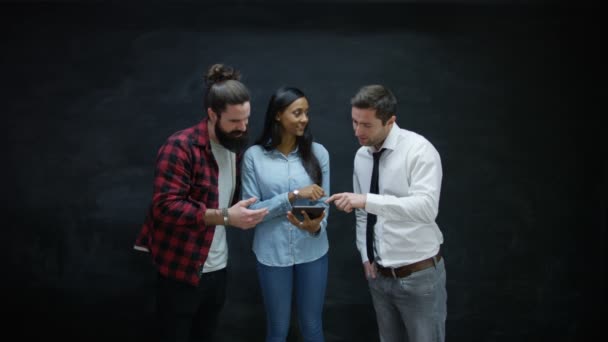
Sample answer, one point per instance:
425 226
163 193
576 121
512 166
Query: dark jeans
187 313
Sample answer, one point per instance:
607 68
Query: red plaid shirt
185 185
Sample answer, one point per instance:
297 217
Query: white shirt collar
390 142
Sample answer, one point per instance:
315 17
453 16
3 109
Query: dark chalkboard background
505 92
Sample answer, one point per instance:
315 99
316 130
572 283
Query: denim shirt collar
276 153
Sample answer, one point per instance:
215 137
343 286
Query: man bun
219 72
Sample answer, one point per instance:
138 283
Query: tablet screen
312 211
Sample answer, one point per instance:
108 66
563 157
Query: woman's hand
313 192
310 225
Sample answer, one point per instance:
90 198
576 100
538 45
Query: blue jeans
413 308
309 281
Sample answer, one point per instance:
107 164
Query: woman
284 168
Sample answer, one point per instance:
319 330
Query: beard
234 141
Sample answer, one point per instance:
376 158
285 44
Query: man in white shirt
405 271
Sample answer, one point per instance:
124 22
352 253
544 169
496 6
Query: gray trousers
413 308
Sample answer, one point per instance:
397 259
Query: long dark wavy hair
271 135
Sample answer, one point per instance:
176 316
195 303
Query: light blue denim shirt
270 176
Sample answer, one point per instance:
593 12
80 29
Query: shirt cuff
363 257
200 217
373 204
288 205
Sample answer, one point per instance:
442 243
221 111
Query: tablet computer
312 211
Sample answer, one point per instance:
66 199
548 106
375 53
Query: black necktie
371 218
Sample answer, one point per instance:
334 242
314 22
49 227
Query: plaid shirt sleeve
172 184
185 185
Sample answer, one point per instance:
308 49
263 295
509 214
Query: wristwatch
225 216
296 193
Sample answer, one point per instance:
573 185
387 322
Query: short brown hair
376 97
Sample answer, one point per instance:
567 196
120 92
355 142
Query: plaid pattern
185 185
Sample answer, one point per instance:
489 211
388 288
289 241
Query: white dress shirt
408 200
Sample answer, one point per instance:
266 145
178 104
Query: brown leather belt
404 271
